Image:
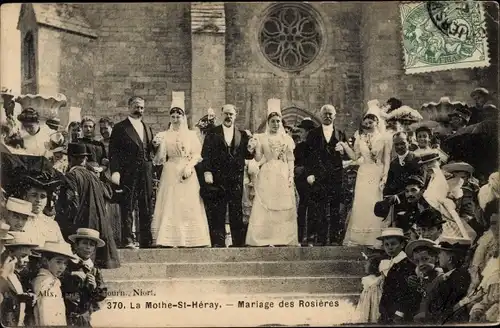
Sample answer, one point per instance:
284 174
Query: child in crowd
429 224
82 283
399 302
50 309
17 213
450 287
367 310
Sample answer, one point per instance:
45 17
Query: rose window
290 37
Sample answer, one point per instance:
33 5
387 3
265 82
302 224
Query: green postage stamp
443 35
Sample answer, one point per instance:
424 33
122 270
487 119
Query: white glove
209 178
115 178
188 170
311 179
252 144
339 147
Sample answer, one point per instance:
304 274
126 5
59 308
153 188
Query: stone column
208 79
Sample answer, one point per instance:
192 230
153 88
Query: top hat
428 157
86 233
4 232
28 115
77 149
21 238
458 167
453 244
481 91
392 232
58 248
462 112
430 218
414 244
19 206
415 180
307 124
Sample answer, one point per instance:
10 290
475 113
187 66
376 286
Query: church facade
305 54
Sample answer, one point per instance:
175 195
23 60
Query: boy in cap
429 224
50 308
481 110
18 212
17 302
399 302
450 287
82 283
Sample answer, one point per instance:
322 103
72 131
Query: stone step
235 269
268 309
233 285
244 254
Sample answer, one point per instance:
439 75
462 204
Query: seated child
50 309
16 300
451 286
17 213
367 309
82 283
399 302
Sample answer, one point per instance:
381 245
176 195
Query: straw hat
4 232
392 232
458 167
59 248
21 238
453 244
86 233
19 206
414 244
428 157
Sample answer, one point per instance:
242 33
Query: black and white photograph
249 164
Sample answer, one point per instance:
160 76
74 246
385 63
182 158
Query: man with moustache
224 152
130 152
105 128
324 172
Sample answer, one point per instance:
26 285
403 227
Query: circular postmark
441 33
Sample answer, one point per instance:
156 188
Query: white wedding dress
179 218
364 226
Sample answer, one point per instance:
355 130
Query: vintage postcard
242 164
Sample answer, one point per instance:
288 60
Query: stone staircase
323 283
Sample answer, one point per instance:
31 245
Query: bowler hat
86 233
392 232
453 244
307 124
414 244
462 112
429 218
77 149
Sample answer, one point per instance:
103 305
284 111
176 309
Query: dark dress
82 204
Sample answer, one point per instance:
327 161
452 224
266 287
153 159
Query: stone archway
292 116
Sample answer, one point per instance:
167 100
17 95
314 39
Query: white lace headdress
274 106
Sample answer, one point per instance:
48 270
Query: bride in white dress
373 148
179 218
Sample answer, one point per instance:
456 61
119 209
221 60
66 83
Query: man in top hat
324 174
429 224
35 136
82 204
399 301
305 126
224 152
18 212
130 160
451 287
16 301
482 110
82 283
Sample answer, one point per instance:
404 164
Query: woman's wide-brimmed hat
392 232
20 206
404 113
4 232
481 91
21 238
86 233
458 167
414 244
58 248
28 115
453 244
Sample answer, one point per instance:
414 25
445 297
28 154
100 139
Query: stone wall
334 77
383 63
142 49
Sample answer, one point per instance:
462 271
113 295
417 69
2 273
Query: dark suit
10 308
131 157
397 295
227 164
302 187
325 164
398 174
